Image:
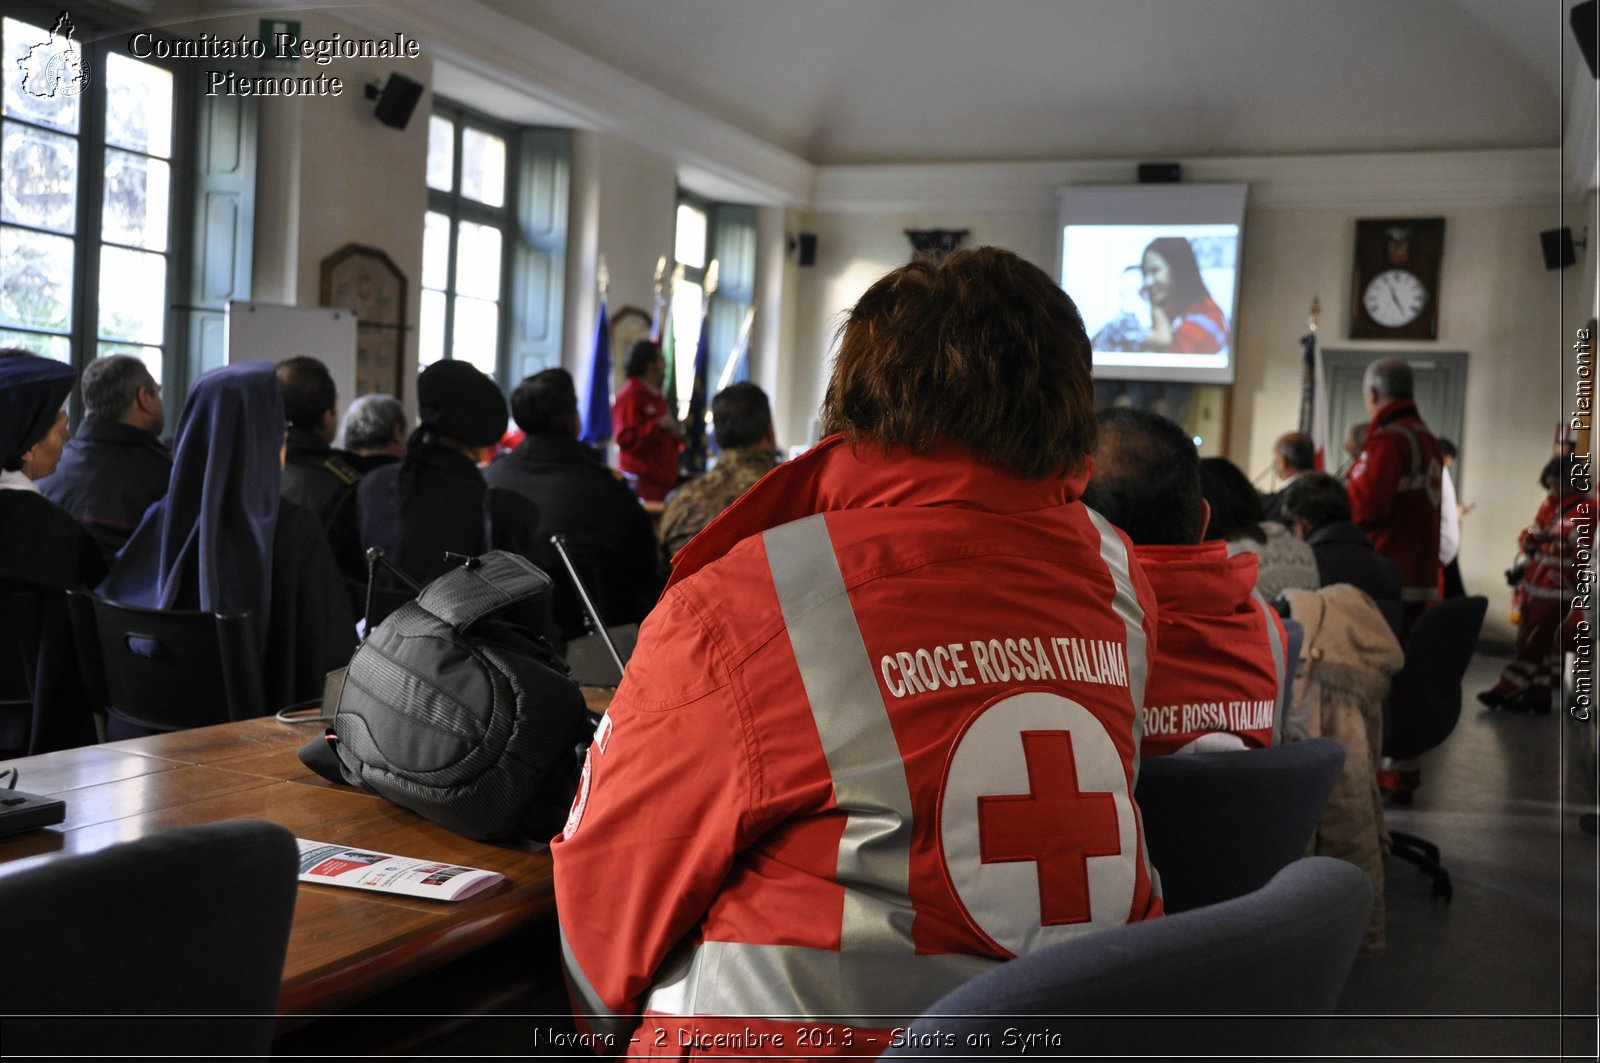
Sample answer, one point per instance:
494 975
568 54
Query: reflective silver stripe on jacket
869 778
849 988
1280 660
600 1018
1279 650
876 973
1417 478
1125 603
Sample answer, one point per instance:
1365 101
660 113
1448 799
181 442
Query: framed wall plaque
366 281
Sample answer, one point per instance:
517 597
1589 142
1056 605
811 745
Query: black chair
1220 825
158 938
1425 704
152 670
1257 975
43 703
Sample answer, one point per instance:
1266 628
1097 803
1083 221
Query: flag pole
596 398
655 310
694 455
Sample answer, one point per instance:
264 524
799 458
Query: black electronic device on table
21 811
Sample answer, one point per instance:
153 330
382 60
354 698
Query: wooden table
346 944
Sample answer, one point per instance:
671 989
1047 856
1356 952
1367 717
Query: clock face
1394 298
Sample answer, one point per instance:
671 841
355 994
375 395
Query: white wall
624 207
329 174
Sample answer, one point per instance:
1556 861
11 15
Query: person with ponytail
436 501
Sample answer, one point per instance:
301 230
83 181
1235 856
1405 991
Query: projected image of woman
1184 319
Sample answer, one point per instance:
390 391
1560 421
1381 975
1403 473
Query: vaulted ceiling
876 81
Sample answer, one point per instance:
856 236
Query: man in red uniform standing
1395 485
648 432
880 732
1217 678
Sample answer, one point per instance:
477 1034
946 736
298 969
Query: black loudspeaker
1583 27
1160 173
805 249
396 100
1558 249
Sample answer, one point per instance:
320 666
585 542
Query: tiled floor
1492 972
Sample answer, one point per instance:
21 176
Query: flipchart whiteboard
270 332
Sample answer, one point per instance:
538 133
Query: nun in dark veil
39 544
223 539
43 553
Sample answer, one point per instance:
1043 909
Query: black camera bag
465 719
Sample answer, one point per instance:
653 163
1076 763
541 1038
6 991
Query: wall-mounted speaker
396 100
805 249
1584 28
1558 248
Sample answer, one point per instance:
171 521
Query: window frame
734 297
97 37
457 207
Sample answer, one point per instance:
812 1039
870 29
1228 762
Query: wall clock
1394 290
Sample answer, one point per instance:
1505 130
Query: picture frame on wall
366 281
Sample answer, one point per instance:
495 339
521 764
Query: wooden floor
1492 973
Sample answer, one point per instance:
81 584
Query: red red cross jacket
1394 496
1216 681
644 448
879 733
1557 543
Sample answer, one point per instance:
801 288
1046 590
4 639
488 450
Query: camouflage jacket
693 505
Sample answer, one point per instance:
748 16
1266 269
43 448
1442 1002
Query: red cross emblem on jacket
1056 826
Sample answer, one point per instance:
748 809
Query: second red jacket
1217 677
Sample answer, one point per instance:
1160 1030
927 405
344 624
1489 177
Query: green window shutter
538 273
224 226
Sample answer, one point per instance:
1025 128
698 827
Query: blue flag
596 401
694 445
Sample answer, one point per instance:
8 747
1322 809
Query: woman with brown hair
794 777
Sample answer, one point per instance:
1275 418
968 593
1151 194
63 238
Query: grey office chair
1253 976
159 939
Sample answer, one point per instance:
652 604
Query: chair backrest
1220 825
165 670
1425 698
189 922
1246 964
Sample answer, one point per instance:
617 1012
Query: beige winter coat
1346 661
